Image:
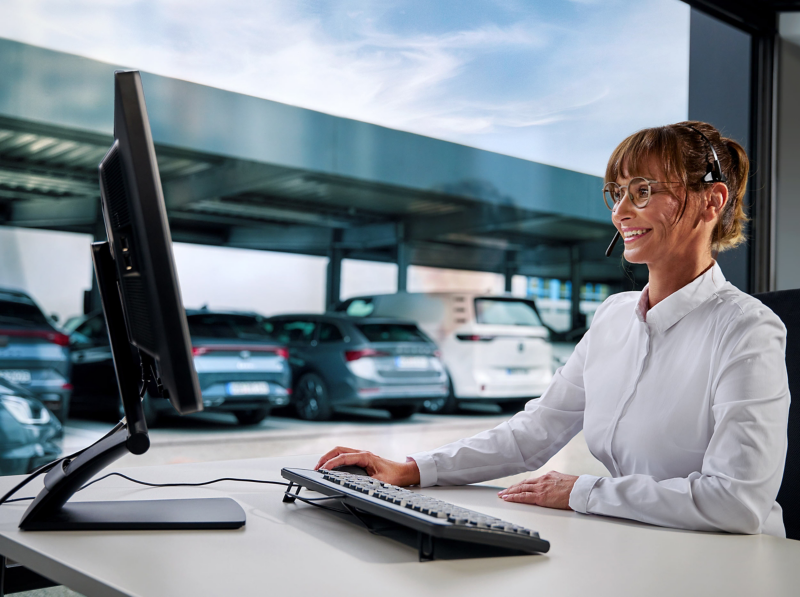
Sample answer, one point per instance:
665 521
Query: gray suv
340 363
33 353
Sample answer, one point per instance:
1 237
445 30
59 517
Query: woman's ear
715 201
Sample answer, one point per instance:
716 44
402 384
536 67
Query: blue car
341 363
28 432
241 368
33 353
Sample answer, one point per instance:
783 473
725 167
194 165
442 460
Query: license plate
16 375
517 371
248 388
411 362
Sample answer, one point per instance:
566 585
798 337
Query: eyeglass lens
638 188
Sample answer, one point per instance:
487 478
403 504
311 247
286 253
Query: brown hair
685 158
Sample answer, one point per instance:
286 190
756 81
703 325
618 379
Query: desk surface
296 549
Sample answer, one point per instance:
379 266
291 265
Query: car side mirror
54 317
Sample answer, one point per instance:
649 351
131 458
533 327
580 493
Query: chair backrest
786 305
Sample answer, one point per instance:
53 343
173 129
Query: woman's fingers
332 454
362 459
522 486
525 497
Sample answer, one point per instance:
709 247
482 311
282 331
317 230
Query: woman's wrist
409 473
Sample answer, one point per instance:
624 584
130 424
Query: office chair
786 305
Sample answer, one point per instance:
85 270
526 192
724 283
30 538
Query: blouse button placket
623 404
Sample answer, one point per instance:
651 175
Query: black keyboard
439 525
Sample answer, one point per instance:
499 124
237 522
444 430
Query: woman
681 389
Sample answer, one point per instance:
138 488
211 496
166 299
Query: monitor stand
50 510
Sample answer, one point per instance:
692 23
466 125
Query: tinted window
494 312
328 332
16 312
228 326
360 307
294 331
94 328
391 332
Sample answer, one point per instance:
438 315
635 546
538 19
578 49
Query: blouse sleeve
743 466
523 443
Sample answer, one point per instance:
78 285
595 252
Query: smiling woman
681 389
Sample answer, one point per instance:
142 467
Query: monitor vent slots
139 313
114 186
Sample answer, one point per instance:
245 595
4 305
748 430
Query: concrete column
577 318
403 257
509 268
333 280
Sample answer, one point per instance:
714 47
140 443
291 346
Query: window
360 307
294 331
17 312
391 332
329 332
229 326
94 329
496 312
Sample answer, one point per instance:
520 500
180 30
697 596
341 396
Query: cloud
512 77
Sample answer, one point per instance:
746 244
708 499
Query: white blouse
685 404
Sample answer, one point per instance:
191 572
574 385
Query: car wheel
513 406
251 417
311 398
445 405
403 412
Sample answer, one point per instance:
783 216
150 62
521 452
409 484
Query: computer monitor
139 289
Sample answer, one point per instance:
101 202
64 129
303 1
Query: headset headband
714 171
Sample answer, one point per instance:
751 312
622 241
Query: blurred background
435 168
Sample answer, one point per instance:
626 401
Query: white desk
296 549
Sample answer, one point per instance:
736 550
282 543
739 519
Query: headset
713 174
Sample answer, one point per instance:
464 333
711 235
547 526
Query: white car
495 348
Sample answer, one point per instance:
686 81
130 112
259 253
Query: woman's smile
631 235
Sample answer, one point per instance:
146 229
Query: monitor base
143 515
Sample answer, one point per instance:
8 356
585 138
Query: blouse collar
680 303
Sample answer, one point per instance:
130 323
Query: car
34 354
28 432
240 367
495 348
341 362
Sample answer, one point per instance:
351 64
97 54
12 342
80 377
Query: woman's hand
388 471
551 491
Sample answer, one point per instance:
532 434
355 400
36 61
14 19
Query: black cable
182 484
312 502
50 465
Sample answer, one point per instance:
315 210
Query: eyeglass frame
649 191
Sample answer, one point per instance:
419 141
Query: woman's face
651 234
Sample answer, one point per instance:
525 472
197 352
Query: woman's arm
524 443
743 465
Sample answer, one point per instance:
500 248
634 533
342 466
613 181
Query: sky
560 82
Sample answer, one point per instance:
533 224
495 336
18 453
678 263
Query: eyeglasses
639 190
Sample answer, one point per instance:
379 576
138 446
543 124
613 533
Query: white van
495 348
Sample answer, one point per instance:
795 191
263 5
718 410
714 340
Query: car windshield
232 327
504 312
21 313
391 332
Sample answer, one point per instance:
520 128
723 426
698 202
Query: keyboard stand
429 547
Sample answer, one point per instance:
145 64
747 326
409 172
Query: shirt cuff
427 468
579 496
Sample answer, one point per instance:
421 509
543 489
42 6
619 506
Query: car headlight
24 412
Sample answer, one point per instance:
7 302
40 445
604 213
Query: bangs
637 154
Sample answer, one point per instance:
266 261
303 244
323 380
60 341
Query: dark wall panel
719 93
